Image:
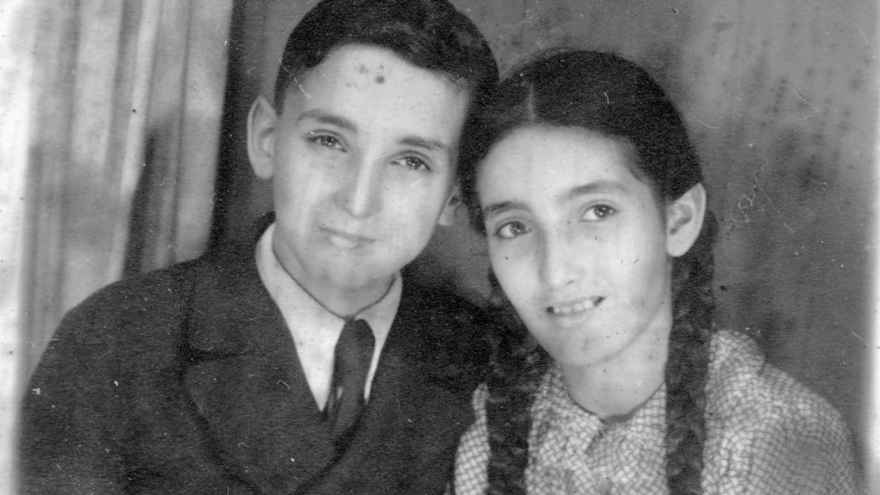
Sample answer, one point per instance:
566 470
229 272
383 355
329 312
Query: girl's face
577 242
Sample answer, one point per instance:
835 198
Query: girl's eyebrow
425 143
502 206
597 187
600 186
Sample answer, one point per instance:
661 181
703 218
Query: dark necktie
352 357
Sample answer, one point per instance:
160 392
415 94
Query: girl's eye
512 230
326 141
412 162
598 212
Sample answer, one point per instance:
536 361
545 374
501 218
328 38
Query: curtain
16 35
111 121
125 115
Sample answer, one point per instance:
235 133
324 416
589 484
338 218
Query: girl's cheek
516 271
510 256
499 256
500 264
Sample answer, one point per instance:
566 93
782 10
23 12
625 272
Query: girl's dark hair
608 95
430 34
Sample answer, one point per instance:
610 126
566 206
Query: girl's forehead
539 163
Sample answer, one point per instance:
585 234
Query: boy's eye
598 212
326 141
512 230
412 162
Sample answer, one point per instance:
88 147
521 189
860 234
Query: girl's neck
618 386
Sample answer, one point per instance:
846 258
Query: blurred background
122 150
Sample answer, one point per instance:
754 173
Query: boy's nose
362 194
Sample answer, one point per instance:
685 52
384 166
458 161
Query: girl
582 177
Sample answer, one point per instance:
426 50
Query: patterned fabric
766 434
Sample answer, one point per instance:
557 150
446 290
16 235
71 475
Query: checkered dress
767 434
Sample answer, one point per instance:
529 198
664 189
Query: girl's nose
558 264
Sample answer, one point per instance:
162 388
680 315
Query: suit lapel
409 404
376 440
246 381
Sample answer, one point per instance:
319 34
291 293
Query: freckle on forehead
377 73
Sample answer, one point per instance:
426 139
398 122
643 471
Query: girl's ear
684 219
447 216
261 126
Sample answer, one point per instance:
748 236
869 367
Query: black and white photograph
445 247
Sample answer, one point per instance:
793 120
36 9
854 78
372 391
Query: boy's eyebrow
327 118
344 123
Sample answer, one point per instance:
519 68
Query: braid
688 363
518 365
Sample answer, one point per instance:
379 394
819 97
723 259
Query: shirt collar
299 306
555 399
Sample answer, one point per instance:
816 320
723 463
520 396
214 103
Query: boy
305 365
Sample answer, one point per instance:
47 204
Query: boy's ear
447 216
261 124
684 219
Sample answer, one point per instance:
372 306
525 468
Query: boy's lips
345 240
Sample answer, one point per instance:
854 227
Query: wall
782 101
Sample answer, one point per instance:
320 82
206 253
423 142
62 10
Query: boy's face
362 159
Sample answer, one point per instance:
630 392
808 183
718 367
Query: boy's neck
348 303
344 302
618 386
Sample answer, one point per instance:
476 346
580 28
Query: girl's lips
574 307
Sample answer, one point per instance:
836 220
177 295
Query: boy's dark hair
430 34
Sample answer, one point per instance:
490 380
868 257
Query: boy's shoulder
148 308
438 302
131 297
147 292
451 331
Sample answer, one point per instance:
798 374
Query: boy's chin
356 279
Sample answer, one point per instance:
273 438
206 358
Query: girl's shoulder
744 388
768 431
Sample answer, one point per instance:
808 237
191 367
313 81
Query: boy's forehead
371 80
358 64
381 99
362 64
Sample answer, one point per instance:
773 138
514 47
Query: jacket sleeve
71 411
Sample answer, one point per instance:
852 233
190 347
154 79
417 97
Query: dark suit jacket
186 380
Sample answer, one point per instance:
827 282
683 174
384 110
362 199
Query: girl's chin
573 353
